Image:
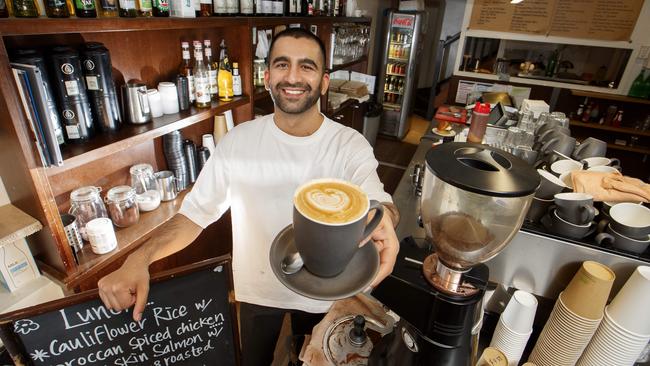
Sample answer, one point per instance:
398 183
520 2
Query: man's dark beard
293 108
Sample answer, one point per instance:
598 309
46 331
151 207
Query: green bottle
646 88
25 9
636 90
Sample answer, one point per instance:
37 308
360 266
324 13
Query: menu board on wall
610 20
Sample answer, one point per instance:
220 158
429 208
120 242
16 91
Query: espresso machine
474 200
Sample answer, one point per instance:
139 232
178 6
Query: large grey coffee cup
576 208
631 220
538 207
563 144
557 225
326 249
525 153
619 241
590 148
550 185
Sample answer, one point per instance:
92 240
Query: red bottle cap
482 108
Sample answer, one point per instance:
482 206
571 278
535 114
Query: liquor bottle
186 70
108 8
219 7
552 64
25 8
310 8
145 9
646 87
247 7
161 8
213 68
232 7
236 80
128 9
278 8
224 77
201 78
587 112
4 11
85 8
53 8
205 7
636 90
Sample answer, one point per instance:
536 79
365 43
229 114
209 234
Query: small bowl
148 201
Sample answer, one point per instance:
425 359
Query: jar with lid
259 66
86 204
142 178
122 205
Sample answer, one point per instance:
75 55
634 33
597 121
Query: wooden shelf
130 135
127 240
349 64
635 149
270 21
596 126
399 59
16 26
391 74
620 98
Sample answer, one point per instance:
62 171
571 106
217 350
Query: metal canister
74 108
98 74
183 93
34 58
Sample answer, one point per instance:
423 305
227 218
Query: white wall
375 10
640 37
453 21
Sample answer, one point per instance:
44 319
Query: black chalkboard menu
188 320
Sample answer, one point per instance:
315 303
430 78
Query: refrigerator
397 77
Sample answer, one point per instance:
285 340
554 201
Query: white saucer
447 133
356 277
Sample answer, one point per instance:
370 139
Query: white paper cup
631 307
520 312
155 103
207 140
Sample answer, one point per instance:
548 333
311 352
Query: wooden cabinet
143 49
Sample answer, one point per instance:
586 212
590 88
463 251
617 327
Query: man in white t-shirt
254 172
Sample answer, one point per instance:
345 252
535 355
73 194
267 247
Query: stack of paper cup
625 330
515 326
575 317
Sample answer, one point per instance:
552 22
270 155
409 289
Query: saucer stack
625 330
515 326
575 317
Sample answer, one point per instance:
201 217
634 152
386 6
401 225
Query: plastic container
479 122
101 235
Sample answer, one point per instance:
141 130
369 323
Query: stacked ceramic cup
515 326
575 317
572 216
625 330
550 185
628 228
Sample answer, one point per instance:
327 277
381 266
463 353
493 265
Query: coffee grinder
474 200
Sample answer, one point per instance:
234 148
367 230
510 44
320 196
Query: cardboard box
17 266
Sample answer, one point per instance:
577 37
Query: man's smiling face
295 75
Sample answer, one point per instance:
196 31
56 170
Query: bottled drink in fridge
74 108
187 70
201 79
479 122
224 77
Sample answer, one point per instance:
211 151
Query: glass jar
86 205
142 178
122 205
259 66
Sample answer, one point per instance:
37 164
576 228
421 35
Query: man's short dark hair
300 33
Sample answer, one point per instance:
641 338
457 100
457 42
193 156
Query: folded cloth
312 353
610 187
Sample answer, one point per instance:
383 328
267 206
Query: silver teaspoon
291 263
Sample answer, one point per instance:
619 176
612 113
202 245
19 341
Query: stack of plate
563 338
176 161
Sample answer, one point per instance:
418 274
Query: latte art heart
328 200
334 201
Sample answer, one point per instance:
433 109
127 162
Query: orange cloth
312 353
610 187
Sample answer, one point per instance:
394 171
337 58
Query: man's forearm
167 239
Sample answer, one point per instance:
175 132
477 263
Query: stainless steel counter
532 262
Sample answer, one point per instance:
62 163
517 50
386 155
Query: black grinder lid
482 169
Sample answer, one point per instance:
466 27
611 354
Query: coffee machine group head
474 200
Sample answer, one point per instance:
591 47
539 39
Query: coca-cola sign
403 21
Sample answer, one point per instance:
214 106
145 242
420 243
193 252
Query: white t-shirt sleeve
361 169
210 195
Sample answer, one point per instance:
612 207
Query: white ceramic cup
603 169
155 103
631 220
629 308
601 161
169 97
563 166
